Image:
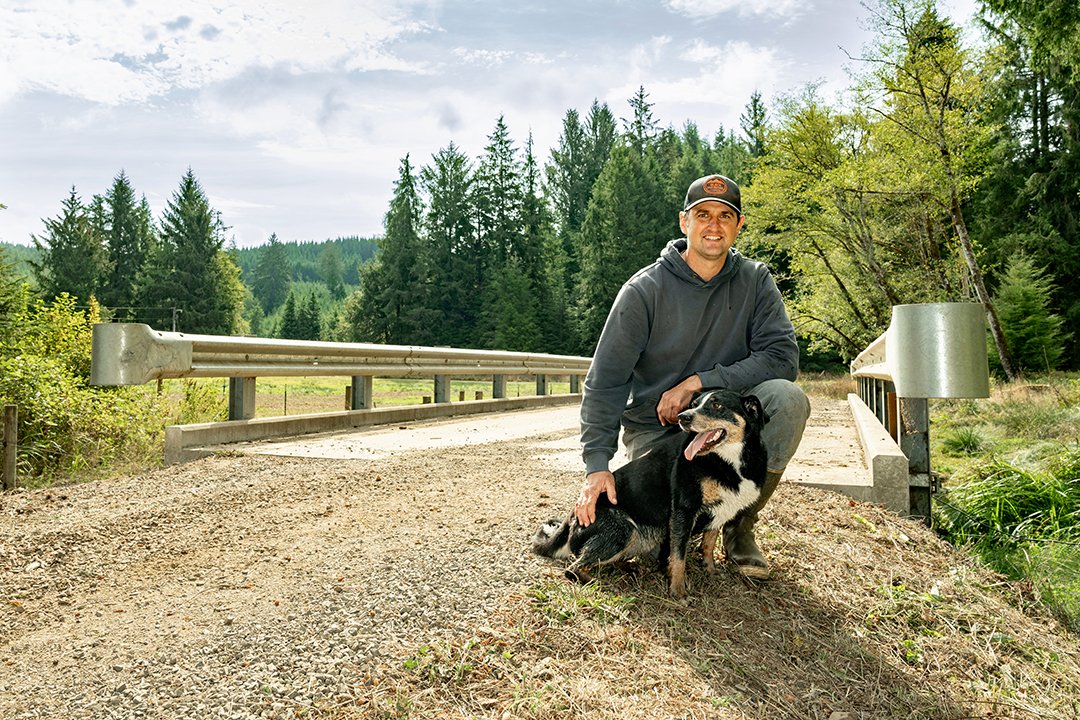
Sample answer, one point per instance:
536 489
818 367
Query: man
702 316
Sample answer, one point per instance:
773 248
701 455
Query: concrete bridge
831 456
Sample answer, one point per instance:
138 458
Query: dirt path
252 583
268 587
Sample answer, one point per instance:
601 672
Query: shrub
66 428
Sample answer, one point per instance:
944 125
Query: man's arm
607 386
677 399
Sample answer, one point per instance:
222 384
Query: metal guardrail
935 350
134 354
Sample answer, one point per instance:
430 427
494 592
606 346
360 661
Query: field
301 395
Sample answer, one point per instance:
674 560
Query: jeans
786 405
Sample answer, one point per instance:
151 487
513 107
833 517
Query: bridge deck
830 453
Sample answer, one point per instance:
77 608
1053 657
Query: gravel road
257 587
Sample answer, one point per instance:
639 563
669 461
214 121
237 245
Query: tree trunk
980 287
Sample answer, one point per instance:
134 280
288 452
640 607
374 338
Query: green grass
1011 465
277 396
1013 488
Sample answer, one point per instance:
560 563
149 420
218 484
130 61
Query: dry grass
868 614
827 385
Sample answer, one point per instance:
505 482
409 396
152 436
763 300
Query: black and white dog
695 481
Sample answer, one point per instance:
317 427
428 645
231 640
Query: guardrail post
241 398
363 397
442 389
541 385
11 445
498 387
915 444
575 384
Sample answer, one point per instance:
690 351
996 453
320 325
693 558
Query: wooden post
11 444
915 444
498 387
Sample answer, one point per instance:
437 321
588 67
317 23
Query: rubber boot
739 545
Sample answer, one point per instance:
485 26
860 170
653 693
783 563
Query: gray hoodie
666 324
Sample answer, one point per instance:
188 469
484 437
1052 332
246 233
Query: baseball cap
713 187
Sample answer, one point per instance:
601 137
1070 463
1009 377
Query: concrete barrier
189 442
887 464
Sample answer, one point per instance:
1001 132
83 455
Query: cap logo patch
715 186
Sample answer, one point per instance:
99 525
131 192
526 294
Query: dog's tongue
696 444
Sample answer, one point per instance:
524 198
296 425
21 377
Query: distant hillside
304 258
20 256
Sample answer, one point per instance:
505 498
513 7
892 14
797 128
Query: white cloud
705 9
136 53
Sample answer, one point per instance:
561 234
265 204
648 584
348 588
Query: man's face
711 228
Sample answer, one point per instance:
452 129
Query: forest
946 172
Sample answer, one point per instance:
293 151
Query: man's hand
677 399
595 484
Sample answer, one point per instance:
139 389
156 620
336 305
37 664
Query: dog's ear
753 409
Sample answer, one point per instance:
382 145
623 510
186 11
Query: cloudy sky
294 116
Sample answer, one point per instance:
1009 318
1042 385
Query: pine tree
497 198
752 122
510 311
290 320
310 318
13 298
388 311
1034 333
270 278
331 270
128 230
72 251
731 157
189 270
449 298
641 128
626 226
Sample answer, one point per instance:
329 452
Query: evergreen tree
72 251
449 297
13 298
388 311
626 226
310 318
600 134
270 277
189 270
752 122
1034 176
1034 333
290 320
128 231
331 270
510 310
497 198
731 157
584 147
641 128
